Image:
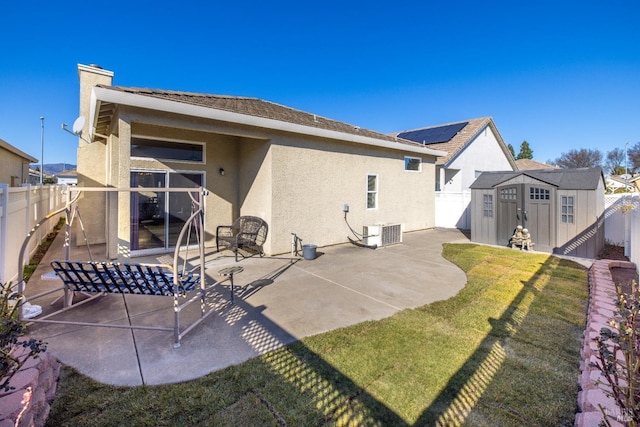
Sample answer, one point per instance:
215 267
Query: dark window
508 194
165 150
536 193
412 164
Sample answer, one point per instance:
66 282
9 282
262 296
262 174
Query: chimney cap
96 66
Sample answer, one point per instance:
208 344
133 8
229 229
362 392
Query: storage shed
563 209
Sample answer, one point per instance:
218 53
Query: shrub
11 329
618 360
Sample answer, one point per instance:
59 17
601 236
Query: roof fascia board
93 113
4 144
521 173
141 101
503 145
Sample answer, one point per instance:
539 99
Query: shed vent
382 234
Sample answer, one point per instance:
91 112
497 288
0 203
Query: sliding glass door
157 216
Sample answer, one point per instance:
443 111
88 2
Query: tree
582 158
513 153
615 162
634 156
525 151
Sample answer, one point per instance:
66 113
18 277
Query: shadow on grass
499 383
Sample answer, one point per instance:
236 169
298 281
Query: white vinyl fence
20 209
453 210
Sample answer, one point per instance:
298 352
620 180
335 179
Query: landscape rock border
602 308
34 389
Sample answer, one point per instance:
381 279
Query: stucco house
472 146
14 165
294 169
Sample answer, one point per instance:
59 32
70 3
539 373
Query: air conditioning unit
382 234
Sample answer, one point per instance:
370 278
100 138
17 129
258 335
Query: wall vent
382 234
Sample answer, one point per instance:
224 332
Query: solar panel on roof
433 135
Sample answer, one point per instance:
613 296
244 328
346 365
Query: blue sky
560 74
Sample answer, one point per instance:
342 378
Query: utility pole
626 168
42 151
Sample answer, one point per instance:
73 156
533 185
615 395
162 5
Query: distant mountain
53 168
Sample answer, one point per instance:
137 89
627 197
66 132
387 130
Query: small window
372 191
167 150
567 209
487 206
536 193
413 164
508 194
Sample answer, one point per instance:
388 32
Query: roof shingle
260 108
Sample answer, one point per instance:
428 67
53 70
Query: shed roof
563 179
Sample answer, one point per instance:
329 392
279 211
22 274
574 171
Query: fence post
4 202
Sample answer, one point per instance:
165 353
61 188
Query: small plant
618 360
11 329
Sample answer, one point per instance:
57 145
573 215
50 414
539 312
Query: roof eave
101 94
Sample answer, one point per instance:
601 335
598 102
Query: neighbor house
472 146
14 165
530 164
68 177
296 170
622 183
563 209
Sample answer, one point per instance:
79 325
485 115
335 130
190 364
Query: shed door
509 207
538 217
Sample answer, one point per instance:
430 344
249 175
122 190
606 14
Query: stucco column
120 208
91 159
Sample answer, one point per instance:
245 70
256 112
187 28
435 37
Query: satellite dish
78 125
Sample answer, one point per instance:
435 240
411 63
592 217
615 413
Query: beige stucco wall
13 168
312 179
92 162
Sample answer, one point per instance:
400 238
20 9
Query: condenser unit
382 234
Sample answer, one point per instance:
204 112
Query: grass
504 351
41 250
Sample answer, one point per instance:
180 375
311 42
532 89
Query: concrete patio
278 300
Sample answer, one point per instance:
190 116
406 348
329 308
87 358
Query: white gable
482 154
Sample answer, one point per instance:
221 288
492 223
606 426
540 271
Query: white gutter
99 94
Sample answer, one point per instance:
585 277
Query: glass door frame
165 209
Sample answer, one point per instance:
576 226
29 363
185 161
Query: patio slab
278 300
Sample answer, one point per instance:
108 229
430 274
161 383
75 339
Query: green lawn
504 351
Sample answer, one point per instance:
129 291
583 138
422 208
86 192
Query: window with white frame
567 209
372 191
413 164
